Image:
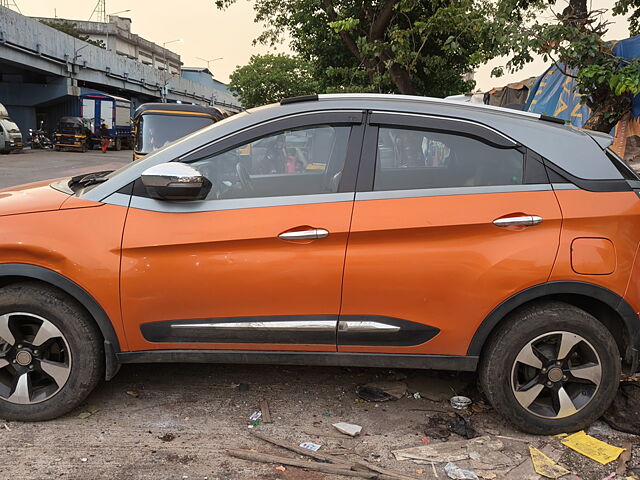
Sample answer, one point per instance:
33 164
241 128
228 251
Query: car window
415 159
303 161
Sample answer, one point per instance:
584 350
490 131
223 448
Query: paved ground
33 165
176 421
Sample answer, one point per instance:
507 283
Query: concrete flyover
43 71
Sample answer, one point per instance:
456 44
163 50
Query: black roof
72 120
175 109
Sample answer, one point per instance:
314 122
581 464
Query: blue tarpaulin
554 92
630 48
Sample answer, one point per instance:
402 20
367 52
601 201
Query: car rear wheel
552 368
50 353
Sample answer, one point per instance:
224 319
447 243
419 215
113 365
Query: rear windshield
9 126
624 169
156 131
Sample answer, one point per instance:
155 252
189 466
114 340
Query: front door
257 265
456 219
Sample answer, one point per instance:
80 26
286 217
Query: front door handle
527 220
312 234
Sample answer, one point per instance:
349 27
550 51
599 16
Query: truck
114 112
10 136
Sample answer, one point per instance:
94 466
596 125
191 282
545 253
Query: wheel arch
15 272
607 306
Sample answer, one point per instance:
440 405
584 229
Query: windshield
9 126
156 131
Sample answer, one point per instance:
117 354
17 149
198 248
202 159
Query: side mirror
175 181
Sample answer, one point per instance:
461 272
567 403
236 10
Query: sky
209 33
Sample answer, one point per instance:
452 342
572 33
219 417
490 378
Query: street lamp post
165 87
108 23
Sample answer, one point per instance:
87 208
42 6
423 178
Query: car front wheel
552 368
50 353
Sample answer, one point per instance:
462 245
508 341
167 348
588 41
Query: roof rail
304 98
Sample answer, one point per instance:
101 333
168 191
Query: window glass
156 131
413 159
303 161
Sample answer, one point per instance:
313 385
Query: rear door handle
312 234
528 220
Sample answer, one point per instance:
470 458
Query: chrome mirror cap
175 181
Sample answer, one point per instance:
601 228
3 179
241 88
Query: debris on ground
459 402
460 425
314 447
348 428
382 391
88 412
243 387
593 448
133 393
624 458
6 427
255 416
457 473
545 466
167 437
266 412
323 462
281 468
416 395
453 451
624 412
437 426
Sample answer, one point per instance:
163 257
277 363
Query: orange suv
362 230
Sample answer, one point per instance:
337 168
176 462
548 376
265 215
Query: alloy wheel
35 360
556 375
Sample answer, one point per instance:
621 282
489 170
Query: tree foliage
70 28
408 46
573 41
270 78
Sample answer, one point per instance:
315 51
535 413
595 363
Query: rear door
450 219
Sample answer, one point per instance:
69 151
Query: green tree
270 78
423 47
573 41
70 28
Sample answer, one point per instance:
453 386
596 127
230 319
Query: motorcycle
38 139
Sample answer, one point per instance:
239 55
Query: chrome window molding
564 186
450 191
166 206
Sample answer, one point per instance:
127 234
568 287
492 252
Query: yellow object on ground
545 466
593 448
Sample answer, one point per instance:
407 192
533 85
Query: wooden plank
266 413
302 451
309 465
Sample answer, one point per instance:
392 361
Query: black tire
499 369
82 337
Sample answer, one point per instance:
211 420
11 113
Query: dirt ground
186 416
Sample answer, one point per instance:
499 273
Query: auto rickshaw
158 124
73 133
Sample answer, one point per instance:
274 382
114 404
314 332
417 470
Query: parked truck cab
115 112
10 136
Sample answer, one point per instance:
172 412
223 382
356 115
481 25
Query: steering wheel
244 177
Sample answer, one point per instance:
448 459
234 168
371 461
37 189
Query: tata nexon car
428 234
